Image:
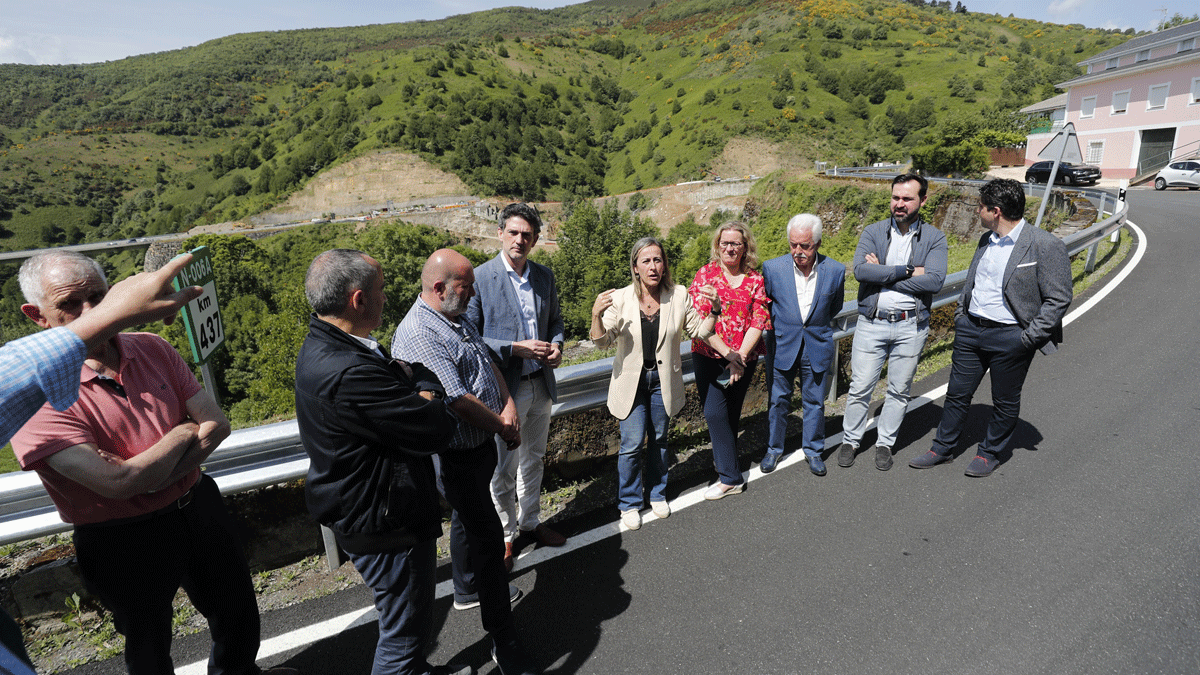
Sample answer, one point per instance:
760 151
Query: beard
453 305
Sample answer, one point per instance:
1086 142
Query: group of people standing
461 404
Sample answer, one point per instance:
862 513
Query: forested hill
598 98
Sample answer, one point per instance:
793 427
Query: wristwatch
909 269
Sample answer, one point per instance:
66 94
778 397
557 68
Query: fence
271 454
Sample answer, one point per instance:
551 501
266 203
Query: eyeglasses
730 244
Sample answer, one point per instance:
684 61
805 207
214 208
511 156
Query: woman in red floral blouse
743 319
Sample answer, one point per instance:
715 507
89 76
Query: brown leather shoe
508 556
546 536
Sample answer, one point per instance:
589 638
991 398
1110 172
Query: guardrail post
831 382
333 553
1090 265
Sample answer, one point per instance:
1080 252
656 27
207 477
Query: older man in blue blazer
517 312
1018 290
806 291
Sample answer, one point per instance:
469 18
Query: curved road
1079 555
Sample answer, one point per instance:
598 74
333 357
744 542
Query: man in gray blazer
1018 290
516 310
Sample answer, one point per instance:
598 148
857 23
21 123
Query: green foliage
593 256
964 159
222 131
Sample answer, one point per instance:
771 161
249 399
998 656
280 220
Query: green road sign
201 316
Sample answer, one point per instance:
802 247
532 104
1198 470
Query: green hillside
591 99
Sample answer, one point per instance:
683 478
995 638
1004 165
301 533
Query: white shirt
806 288
524 290
899 253
987 296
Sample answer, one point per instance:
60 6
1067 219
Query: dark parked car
1068 173
1179 174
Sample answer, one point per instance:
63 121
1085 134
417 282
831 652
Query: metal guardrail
270 454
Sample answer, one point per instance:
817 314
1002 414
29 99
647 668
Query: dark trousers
722 412
136 568
403 584
977 349
476 536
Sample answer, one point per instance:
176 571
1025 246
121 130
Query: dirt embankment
396 180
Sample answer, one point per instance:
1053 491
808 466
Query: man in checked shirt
434 334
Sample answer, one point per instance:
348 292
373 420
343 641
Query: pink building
1137 107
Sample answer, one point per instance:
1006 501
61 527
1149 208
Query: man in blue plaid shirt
434 334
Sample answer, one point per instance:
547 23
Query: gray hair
333 277
33 269
805 221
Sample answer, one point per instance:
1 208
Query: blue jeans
403 584
647 421
722 412
877 342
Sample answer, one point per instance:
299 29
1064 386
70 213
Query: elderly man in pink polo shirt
122 465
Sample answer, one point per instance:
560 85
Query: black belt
177 505
534 375
892 316
987 323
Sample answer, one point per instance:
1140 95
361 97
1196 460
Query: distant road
143 242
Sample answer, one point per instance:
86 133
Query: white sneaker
631 519
661 509
719 490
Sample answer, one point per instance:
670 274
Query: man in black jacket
370 425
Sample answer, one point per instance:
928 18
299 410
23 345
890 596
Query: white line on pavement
309 634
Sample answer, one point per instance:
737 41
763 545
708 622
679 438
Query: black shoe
510 659
846 455
927 460
883 458
816 465
982 466
769 461
471 600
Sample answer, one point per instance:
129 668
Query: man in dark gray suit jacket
516 311
1018 290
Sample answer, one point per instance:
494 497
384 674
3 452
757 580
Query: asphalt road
1079 555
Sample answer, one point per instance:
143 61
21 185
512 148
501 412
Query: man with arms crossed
44 368
516 310
1018 290
370 425
122 465
899 263
435 334
806 291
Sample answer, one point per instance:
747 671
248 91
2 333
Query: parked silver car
1179 174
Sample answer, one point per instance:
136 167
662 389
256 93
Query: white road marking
302 637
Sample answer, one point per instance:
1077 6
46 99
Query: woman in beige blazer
647 320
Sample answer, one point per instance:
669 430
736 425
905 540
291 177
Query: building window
1095 152
1157 100
1195 91
1087 109
1120 102
1187 45
1143 55
1112 63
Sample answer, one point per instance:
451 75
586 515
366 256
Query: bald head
447 282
